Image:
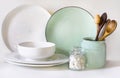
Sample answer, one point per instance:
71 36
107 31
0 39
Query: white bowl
36 50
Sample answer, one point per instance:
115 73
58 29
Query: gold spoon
97 19
109 29
100 21
103 29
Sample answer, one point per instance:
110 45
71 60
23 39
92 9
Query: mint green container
95 52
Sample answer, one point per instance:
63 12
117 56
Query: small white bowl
36 50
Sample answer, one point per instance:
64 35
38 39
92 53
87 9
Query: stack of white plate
57 59
27 23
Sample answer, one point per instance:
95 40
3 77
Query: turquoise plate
68 26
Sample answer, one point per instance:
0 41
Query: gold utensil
97 19
109 29
103 29
100 23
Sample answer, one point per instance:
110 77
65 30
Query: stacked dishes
31 23
16 59
27 23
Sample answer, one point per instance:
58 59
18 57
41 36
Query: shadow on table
112 63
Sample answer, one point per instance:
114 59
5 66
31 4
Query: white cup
36 50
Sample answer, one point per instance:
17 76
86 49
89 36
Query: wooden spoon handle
103 37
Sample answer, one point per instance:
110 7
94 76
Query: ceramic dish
39 50
32 65
54 60
68 26
24 23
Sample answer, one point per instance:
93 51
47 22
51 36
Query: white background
94 7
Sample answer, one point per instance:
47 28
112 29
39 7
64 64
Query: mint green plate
68 26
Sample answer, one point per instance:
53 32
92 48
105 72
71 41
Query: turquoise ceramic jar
95 52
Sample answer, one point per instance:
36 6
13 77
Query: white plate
33 65
24 23
57 59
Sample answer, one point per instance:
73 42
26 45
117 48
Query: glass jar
77 59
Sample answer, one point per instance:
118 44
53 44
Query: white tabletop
111 70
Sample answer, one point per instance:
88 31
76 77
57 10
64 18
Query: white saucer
33 65
16 59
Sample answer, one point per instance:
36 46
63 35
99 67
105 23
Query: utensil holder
95 52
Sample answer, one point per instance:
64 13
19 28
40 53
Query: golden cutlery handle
103 37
